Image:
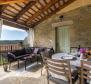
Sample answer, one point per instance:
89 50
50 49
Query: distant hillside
10 42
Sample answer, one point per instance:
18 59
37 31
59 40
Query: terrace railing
4 48
9 47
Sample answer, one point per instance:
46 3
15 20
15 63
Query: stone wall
80 32
44 33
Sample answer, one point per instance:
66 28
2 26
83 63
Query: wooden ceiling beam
18 5
42 10
10 11
14 7
26 8
52 13
10 1
40 3
33 10
10 22
45 1
37 7
2 8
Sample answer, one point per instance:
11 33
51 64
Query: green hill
10 42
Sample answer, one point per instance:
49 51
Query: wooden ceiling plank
41 15
45 1
40 3
10 11
11 22
26 8
9 14
37 7
18 5
2 8
55 6
14 8
29 12
44 13
10 1
42 10
51 10
27 15
50 14
24 18
33 10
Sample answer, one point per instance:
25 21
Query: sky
10 33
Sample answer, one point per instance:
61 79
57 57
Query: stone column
1 23
29 40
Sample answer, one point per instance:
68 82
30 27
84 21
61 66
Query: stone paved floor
19 76
33 70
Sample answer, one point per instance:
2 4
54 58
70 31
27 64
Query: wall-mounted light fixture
61 17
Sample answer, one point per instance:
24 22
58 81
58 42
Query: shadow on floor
34 67
31 67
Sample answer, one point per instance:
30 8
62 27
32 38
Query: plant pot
5 68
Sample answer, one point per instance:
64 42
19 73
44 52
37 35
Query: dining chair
85 72
44 56
60 68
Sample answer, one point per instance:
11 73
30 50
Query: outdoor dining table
74 60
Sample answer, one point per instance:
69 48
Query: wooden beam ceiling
42 10
52 13
10 1
26 8
10 22
2 8
31 13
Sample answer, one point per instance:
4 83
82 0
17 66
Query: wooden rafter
26 8
42 10
40 3
10 22
2 8
25 17
52 13
45 1
10 1
14 7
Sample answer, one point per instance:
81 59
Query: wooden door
63 39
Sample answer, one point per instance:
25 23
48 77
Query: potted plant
5 66
82 53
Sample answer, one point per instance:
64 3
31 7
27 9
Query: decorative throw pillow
11 54
36 50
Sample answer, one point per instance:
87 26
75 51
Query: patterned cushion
36 50
11 55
